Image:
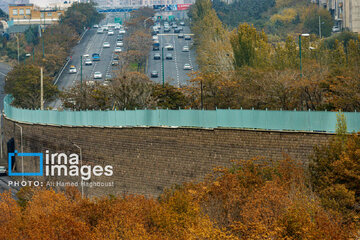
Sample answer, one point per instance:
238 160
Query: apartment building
346 13
23 14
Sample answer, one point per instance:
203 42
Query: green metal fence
251 119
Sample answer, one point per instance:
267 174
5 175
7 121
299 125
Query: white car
110 33
185 49
122 31
119 44
72 69
3 170
169 47
117 49
86 55
96 26
105 28
187 66
106 45
97 75
100 31
155 37
88 61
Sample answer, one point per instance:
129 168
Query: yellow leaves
286 16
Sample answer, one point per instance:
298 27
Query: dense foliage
242 68
48 51
255 199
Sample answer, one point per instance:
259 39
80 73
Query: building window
27 11
15 12
21 11
59 14
42 15
49 14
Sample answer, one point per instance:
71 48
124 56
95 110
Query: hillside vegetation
246 201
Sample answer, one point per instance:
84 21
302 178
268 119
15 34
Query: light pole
82 182
22 151
163 66
18 49
320 23
304 35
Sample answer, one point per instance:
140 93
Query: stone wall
148 160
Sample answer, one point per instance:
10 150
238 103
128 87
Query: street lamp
304 35
18 49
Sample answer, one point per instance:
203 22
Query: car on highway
187 37
95 57
96 26
156 45
185 49
155 37
97 75
108 77
117 49
120 38
122 31
157 56
106 44
177 30
168 56
174 25
117 27
182 23
169 47
180 28
86 55
187 66
154 74
88 62
72 69
166 29
119 44
110 33
105 28
180 35
100 31
3 170
335 29
116 57
114 62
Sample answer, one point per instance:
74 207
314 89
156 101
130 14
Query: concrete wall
147 160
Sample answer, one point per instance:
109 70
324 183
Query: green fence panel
318 121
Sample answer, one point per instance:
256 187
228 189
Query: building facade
22 14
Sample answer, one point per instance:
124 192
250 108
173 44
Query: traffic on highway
95 57
173 54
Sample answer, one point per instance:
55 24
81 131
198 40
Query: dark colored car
176 30
154 74
169 56
157 56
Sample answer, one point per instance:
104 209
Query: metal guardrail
313 121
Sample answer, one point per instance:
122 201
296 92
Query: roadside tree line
49 51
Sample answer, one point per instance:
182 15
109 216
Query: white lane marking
3 74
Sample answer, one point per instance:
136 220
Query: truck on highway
96 57
156 45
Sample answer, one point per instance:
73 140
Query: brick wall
147 160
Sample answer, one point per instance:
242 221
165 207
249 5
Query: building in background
29 14
346 13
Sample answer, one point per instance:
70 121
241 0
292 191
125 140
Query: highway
174 72
92 42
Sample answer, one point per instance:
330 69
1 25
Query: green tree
3 15
81 15
169 97
311 23
23 83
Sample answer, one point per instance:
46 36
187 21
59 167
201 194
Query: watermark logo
15 153
61 164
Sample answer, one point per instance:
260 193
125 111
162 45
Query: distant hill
4 4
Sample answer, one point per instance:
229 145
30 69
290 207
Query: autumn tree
23 83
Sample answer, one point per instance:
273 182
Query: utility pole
81 63
163 66
320 26
41 89
18 49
